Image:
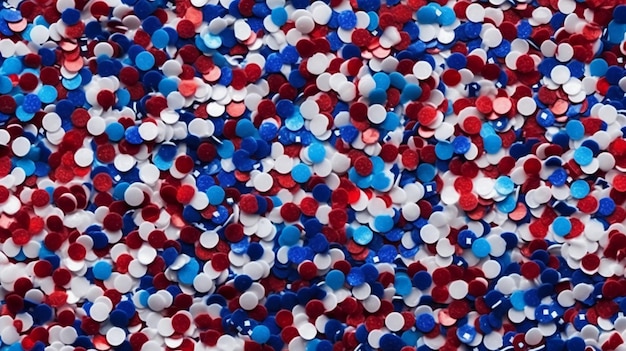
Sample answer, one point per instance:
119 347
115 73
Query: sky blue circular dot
561 226
212 41
377 96
426 172
427 15
167 86
575 129
403 284
27 165
444 150
312 345
508 204
411 92
517 300
102 270
215 194
598 67
160 38
492 143
316 152
245 128
382 80
226 149
189 271
144 61
335 279
481 247
579 189
373 20
362 235
279 16
72 83
23 115
289 236
5 85
383 223
583 155
115 131
380 181
504 185
447 16
301 173
12 65
260 334
47 94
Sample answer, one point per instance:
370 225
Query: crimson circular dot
77 251
185 29
61 276
42 269
28 82
106 98
220 262
590 262
112 221
290 212
184 164
248 204
180 323
307 270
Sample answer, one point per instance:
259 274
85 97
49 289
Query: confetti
296 175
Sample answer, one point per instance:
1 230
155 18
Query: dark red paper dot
185 29
106 98
4 194
40 198
77 252
410 159
284 318
590 262
530 270
112 221
451 77
337 218
363 166
180 323
307 270
28 82
184 164
61 276
20 236
7 104
220 262
441 276
248 204
42 269
290 212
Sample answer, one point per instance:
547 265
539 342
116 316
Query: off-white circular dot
20 146
116 336
263 182
83 157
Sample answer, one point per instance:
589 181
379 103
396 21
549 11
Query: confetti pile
312 175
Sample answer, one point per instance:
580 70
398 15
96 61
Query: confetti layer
312 175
